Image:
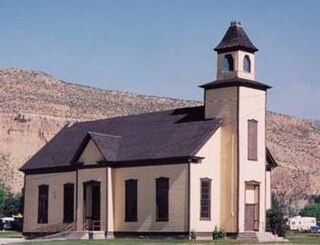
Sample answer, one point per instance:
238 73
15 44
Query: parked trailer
299 223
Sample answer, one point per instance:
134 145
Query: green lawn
312 238
294 239
10 234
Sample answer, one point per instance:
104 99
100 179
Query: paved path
11 240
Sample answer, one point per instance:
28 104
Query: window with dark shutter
131 200
68 203
162 199
205 199
43 201
252 140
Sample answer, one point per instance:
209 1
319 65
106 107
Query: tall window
162 199
252 140
228 63
205 199
43 200
131 202
246 64
68 203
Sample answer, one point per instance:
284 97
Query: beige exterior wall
268 189
55 209
222 103
91 154
178 196
208 168
95 174
238 57
252 106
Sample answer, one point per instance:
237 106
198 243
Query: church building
166 173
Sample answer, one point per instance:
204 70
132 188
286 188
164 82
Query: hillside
35 105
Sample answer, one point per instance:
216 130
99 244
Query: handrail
54 229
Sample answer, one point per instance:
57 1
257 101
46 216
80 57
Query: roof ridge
102 134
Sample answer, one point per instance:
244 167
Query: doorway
92 199
252 206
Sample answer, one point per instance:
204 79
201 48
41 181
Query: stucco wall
251 106
178 196
268 189
222 103
55 209
91 154
208 168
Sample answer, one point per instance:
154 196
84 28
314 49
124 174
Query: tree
12 204
3 196
276 223
314 199
311 210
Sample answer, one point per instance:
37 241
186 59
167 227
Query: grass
10 234
310 238
293 239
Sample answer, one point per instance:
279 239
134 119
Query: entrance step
260 237
87 235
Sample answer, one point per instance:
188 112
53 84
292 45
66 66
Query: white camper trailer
299 223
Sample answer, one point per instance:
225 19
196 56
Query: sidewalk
11 240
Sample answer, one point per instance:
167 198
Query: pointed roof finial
235 39
235 23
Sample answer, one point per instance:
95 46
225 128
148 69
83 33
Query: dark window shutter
68 203
162 199
43 202
252 140
131 200
205 199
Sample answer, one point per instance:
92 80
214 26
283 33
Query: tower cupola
236 57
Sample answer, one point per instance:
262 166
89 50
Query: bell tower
235 54
240 101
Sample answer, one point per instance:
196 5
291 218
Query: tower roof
235 39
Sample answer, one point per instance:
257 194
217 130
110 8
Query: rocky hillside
35 105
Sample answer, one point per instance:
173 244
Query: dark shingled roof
235 82
157 135
235 39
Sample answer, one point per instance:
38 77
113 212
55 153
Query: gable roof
271 162
157 135
108 145
235 39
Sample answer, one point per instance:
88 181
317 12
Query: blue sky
164 47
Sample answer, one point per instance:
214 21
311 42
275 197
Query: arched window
228 63
246 64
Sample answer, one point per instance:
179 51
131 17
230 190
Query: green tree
3 196
311 210
276 223
12 204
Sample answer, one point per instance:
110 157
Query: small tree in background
12 205
3 196
314 199
276 223
311 210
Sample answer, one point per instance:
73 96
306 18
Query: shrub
216 234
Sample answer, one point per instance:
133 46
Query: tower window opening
246 64
228 63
